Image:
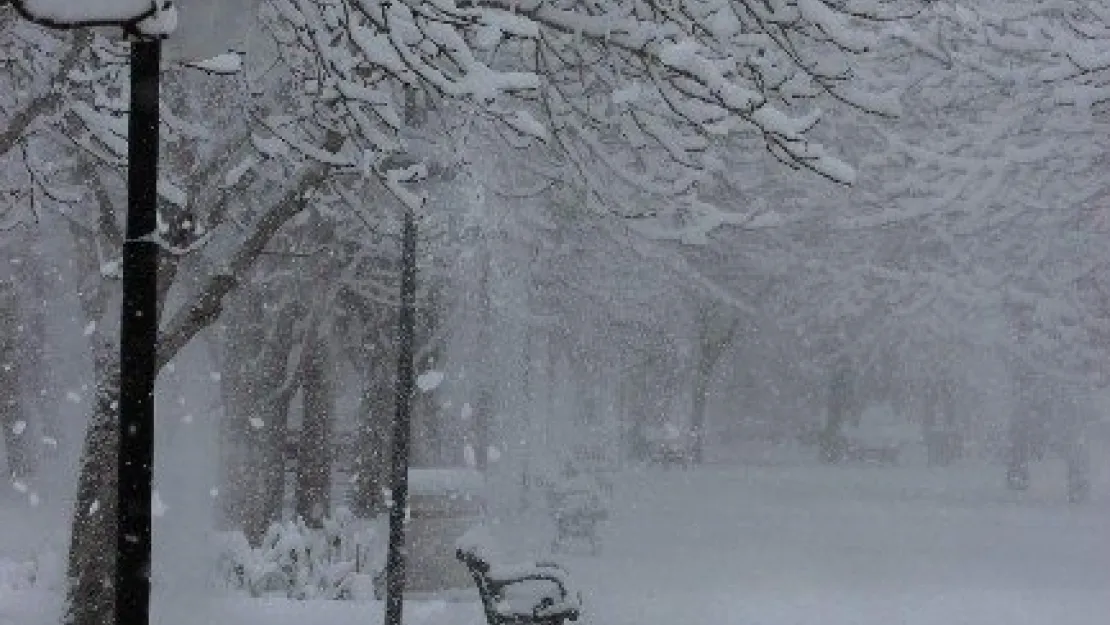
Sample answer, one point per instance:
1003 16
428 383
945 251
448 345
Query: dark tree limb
206 307
48 103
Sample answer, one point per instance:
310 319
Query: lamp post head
65 14
195 31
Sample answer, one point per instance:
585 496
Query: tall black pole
395 560
138 339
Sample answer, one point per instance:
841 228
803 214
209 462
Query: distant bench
670 453
875 454
577 514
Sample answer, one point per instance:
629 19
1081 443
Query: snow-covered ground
852 545
784 545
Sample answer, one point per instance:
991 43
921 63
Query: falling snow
779 312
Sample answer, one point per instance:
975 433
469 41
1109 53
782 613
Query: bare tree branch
47 103
206 307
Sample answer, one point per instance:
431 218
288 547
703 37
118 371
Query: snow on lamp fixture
194 30
80 13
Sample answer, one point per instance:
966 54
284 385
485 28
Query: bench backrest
479 570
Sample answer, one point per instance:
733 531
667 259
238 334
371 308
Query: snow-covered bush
336 561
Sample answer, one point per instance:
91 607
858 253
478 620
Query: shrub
299 562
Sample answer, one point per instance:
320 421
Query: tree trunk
17 436
483 417
697 416
92 553
712 342
370 466
253 462
934 430
438 447
429 446
372 353
1078 460
552 369
13 417
91 570
529 402
371 463
484 401
1019 452
640 413
253 430
314 461
833 441
34 374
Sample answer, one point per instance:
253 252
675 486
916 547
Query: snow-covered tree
591 80
645 92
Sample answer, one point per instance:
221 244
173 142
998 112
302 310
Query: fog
784 314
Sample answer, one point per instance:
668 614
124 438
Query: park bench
886 455
523 594
668 455
670 447
577 510
577 513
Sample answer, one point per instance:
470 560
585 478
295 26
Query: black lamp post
139 311
139 314
138 340
396 556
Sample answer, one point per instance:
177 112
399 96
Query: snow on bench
517 594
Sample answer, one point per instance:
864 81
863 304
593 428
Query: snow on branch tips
625 97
